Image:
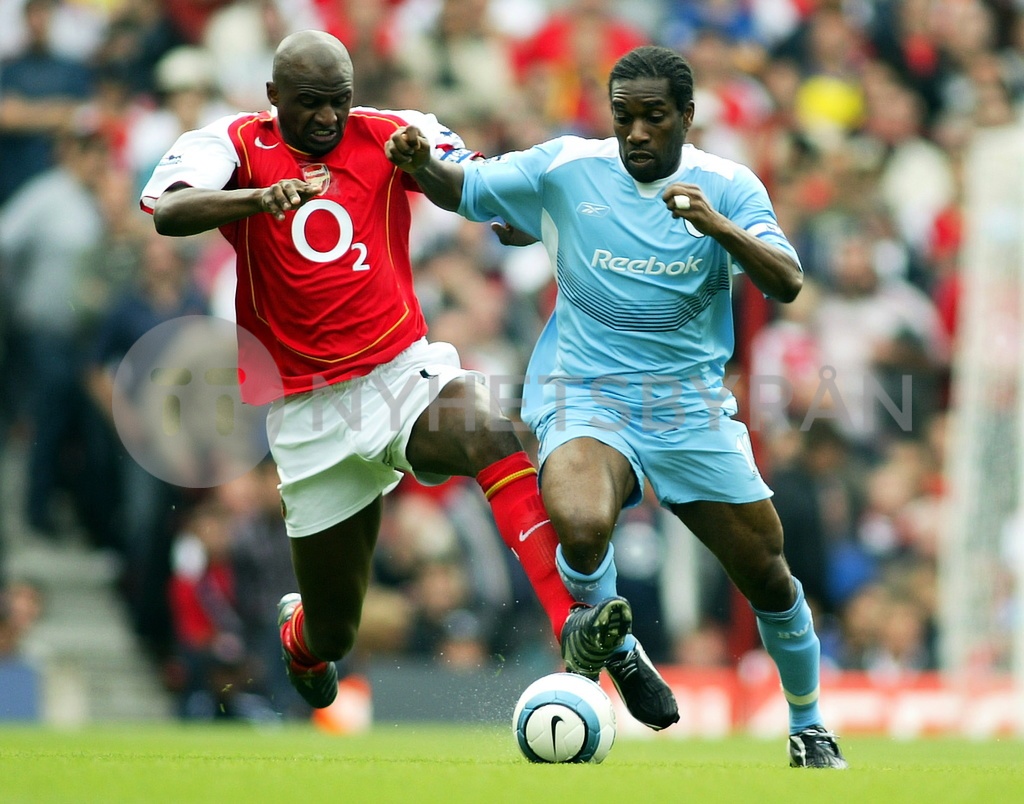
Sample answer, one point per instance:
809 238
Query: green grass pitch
420 764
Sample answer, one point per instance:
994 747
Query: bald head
305 51
312 90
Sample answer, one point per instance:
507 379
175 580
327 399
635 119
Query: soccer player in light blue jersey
647 235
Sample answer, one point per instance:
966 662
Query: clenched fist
408 149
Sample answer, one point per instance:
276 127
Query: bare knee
461 433
584 539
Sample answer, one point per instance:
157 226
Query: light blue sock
592 589
789 638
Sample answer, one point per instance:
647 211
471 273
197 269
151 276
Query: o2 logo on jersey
345 234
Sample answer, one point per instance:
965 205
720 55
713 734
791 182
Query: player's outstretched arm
772 270
182 210
441 182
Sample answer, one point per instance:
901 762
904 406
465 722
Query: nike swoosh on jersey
259 144
524 535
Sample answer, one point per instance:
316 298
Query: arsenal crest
318 175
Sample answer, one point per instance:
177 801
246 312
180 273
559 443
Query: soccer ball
564 717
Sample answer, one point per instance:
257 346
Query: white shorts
340 447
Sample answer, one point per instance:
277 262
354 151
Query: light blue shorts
702 455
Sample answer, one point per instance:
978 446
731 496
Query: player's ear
272 93
688 111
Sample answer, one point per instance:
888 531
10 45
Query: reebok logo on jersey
651 266
171 159
525 534
264 146
594 210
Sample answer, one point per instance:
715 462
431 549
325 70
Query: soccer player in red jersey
319 220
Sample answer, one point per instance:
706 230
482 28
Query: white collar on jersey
654 189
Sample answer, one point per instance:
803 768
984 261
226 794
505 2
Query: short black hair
652 61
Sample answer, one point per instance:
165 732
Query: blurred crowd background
856 115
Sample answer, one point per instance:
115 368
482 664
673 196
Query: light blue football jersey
640 294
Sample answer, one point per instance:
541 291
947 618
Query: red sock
294 640
510 486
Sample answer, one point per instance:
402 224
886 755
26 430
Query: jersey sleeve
448 145
749 206
205 158
509 187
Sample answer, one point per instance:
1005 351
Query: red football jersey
328 291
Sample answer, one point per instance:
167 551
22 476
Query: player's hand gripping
688 201
408 149
286 195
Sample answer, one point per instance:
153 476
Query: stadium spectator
905 36
730 101
968 35
262 571
817 497
684 22
1012 58
161 292
208 629
138 36
562 67
596 449
23 606
505 608
442 596
369 322
39 94
887 529
464 65
8 634
110 269
830 50
902 647
857 629
49 230
21 690
187 87
785 365
876 332
373 39
468 310
916 180
644 566
240 39
189 18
